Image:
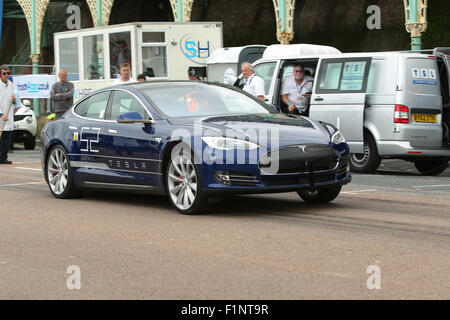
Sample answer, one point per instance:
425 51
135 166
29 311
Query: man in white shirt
7 99
253 83
295 90
125 75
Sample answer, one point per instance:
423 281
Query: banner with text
34 85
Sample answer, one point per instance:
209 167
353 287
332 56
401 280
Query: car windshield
193 99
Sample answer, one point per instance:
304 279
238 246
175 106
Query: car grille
299 159
20 117
242 179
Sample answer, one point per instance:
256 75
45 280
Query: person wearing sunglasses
296 90
7 99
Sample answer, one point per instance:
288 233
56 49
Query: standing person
253 84
61 95
16 105
7 99
125 74
295 90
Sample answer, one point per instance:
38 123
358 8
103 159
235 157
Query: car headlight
337 137
222 143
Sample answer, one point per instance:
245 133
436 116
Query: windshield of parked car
195 99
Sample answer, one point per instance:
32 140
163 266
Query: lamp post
284 12
99 13
182 10
416 21
34 53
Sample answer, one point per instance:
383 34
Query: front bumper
246 178
22 135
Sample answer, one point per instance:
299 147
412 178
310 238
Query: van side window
265 71
340 76
329 80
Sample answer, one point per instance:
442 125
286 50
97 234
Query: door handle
318 99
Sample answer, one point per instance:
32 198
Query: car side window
265 71
124 102
93 107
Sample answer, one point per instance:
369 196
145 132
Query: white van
387 104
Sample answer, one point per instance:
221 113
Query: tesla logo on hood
302 147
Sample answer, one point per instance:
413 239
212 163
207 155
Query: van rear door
443 58
339 97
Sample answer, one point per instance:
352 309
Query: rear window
422 76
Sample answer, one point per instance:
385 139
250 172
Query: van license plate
424 117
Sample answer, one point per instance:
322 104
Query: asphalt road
392 227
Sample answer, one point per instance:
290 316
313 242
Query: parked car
190 140
25 126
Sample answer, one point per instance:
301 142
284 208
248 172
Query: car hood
278 128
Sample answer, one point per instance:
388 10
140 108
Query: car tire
58 174
30 143
322 195
367 162
183 182
431 168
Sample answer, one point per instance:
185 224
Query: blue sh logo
195 49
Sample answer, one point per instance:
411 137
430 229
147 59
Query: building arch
106 7
35 18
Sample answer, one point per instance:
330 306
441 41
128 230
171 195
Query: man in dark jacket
61 95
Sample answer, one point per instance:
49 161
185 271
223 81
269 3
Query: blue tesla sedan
190 140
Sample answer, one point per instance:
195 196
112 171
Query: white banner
34 85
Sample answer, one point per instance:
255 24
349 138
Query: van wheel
319 195
431 168
366 162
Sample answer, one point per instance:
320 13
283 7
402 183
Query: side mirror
27 103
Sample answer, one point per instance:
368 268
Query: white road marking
357 191
433 186
26 162
25 168
21 184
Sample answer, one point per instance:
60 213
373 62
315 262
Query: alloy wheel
182 182
57 171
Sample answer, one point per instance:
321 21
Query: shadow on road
236 205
